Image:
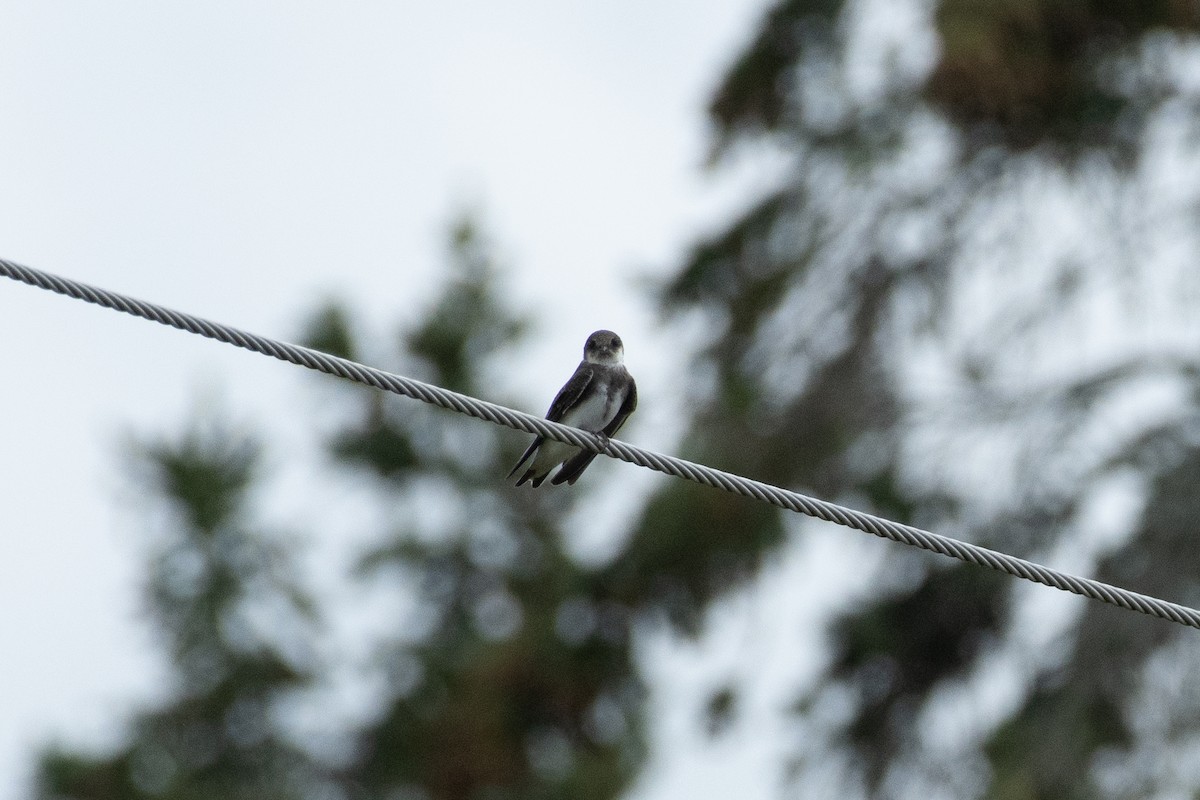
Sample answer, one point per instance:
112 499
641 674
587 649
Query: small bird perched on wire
598 398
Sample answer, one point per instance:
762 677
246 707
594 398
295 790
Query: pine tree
236 627
931 316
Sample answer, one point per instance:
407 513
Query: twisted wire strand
699 473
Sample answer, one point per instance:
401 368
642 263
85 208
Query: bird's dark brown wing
570 393
567 396
575 465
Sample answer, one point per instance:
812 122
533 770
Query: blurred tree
964 305
512 676
957 308
237 629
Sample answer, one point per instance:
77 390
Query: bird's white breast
597 409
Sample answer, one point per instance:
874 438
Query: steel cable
518 420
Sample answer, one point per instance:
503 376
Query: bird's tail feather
529 451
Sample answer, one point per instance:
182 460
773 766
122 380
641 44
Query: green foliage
223 598
691 546
465 327
329 330
819 311
1026 73
900 646
512 676
515 675
1083 707
758 91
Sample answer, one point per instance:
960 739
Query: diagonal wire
435 395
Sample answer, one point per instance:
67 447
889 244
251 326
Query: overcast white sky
241 160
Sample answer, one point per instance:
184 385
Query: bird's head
604 347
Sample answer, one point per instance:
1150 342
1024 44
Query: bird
598 398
